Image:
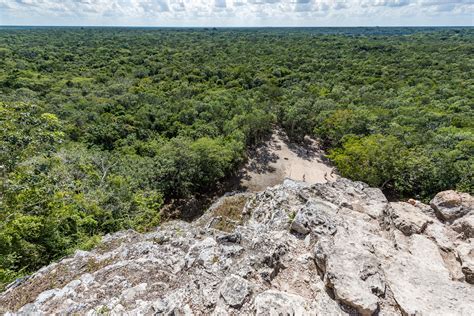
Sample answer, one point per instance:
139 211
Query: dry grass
229 212
58 278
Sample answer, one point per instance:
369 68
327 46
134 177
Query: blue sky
237 12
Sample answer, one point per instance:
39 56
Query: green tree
370 159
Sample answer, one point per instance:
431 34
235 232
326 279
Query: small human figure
304 177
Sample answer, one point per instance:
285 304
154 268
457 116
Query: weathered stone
421 284
407 218
465 226
272 302
327 249
230 238
466 255
234 290
315 217
442 235
450 205
132 293
351 269
354 195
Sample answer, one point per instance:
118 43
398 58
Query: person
304 177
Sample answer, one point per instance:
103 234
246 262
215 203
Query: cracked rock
234 290
336 248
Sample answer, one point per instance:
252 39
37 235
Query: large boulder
420 282
350 270
407 218
465 226
450 205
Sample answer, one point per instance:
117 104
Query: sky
221 13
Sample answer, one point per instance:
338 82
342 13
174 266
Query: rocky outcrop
451 205
294 249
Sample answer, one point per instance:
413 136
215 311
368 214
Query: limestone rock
450 205
351 270
315 217
274 302
407 218
295 249
465 226
466 255
421 284
234 290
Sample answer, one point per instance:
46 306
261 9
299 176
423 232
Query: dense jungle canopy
101 127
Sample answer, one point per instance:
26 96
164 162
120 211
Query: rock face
451 205
296 249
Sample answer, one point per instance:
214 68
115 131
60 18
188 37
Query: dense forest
102 127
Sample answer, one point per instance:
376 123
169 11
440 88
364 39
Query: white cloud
389 3
237 12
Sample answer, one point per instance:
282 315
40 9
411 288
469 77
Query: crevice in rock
453 263
320 272
390 300
351 311
330 292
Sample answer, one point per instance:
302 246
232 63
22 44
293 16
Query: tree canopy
101 127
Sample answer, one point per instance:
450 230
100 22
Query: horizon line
236 26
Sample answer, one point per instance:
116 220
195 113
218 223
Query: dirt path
278 159
268 165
